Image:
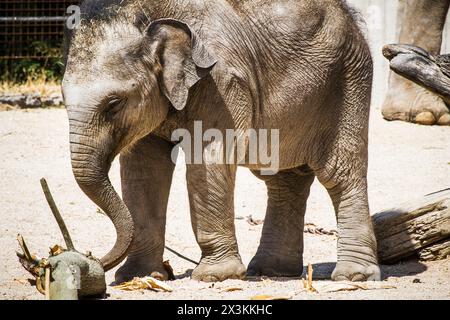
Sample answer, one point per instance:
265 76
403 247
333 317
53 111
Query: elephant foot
352 271
132 269
271 266
408 102
220 271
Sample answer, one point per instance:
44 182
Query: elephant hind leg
280 252
146 173
345 177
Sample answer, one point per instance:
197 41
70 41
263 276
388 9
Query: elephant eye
114 105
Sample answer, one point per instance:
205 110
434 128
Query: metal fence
32 29
27 24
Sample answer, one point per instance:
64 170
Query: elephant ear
183 56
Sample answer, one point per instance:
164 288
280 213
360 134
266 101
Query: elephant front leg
146 173
211 196
281 246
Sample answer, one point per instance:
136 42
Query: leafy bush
47 68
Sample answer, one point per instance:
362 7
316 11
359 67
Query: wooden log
401 232
438 251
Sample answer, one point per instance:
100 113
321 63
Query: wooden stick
310 275
57 215
28 261
26 252
47 283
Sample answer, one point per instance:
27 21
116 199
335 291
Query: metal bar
28 57
33 19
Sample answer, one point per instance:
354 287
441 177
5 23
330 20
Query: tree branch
57 215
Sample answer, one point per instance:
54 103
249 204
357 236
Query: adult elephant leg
146 173
421 23
281 246
211 197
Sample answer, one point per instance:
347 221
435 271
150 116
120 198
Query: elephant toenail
425 118
444 120
359 277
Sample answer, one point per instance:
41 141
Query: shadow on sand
323 271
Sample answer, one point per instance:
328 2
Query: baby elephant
140 72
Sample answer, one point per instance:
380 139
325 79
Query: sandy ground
406 161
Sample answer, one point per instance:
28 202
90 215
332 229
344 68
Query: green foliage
49 67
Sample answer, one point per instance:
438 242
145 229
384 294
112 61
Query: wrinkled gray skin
417 65
299 66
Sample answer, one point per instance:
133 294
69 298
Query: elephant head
119 85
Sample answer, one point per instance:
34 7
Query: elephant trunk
91 161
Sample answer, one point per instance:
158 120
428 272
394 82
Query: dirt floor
406 161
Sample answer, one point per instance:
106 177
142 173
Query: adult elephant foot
275 266
231 268
352 271
409 102
423 98
421 23
140 268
